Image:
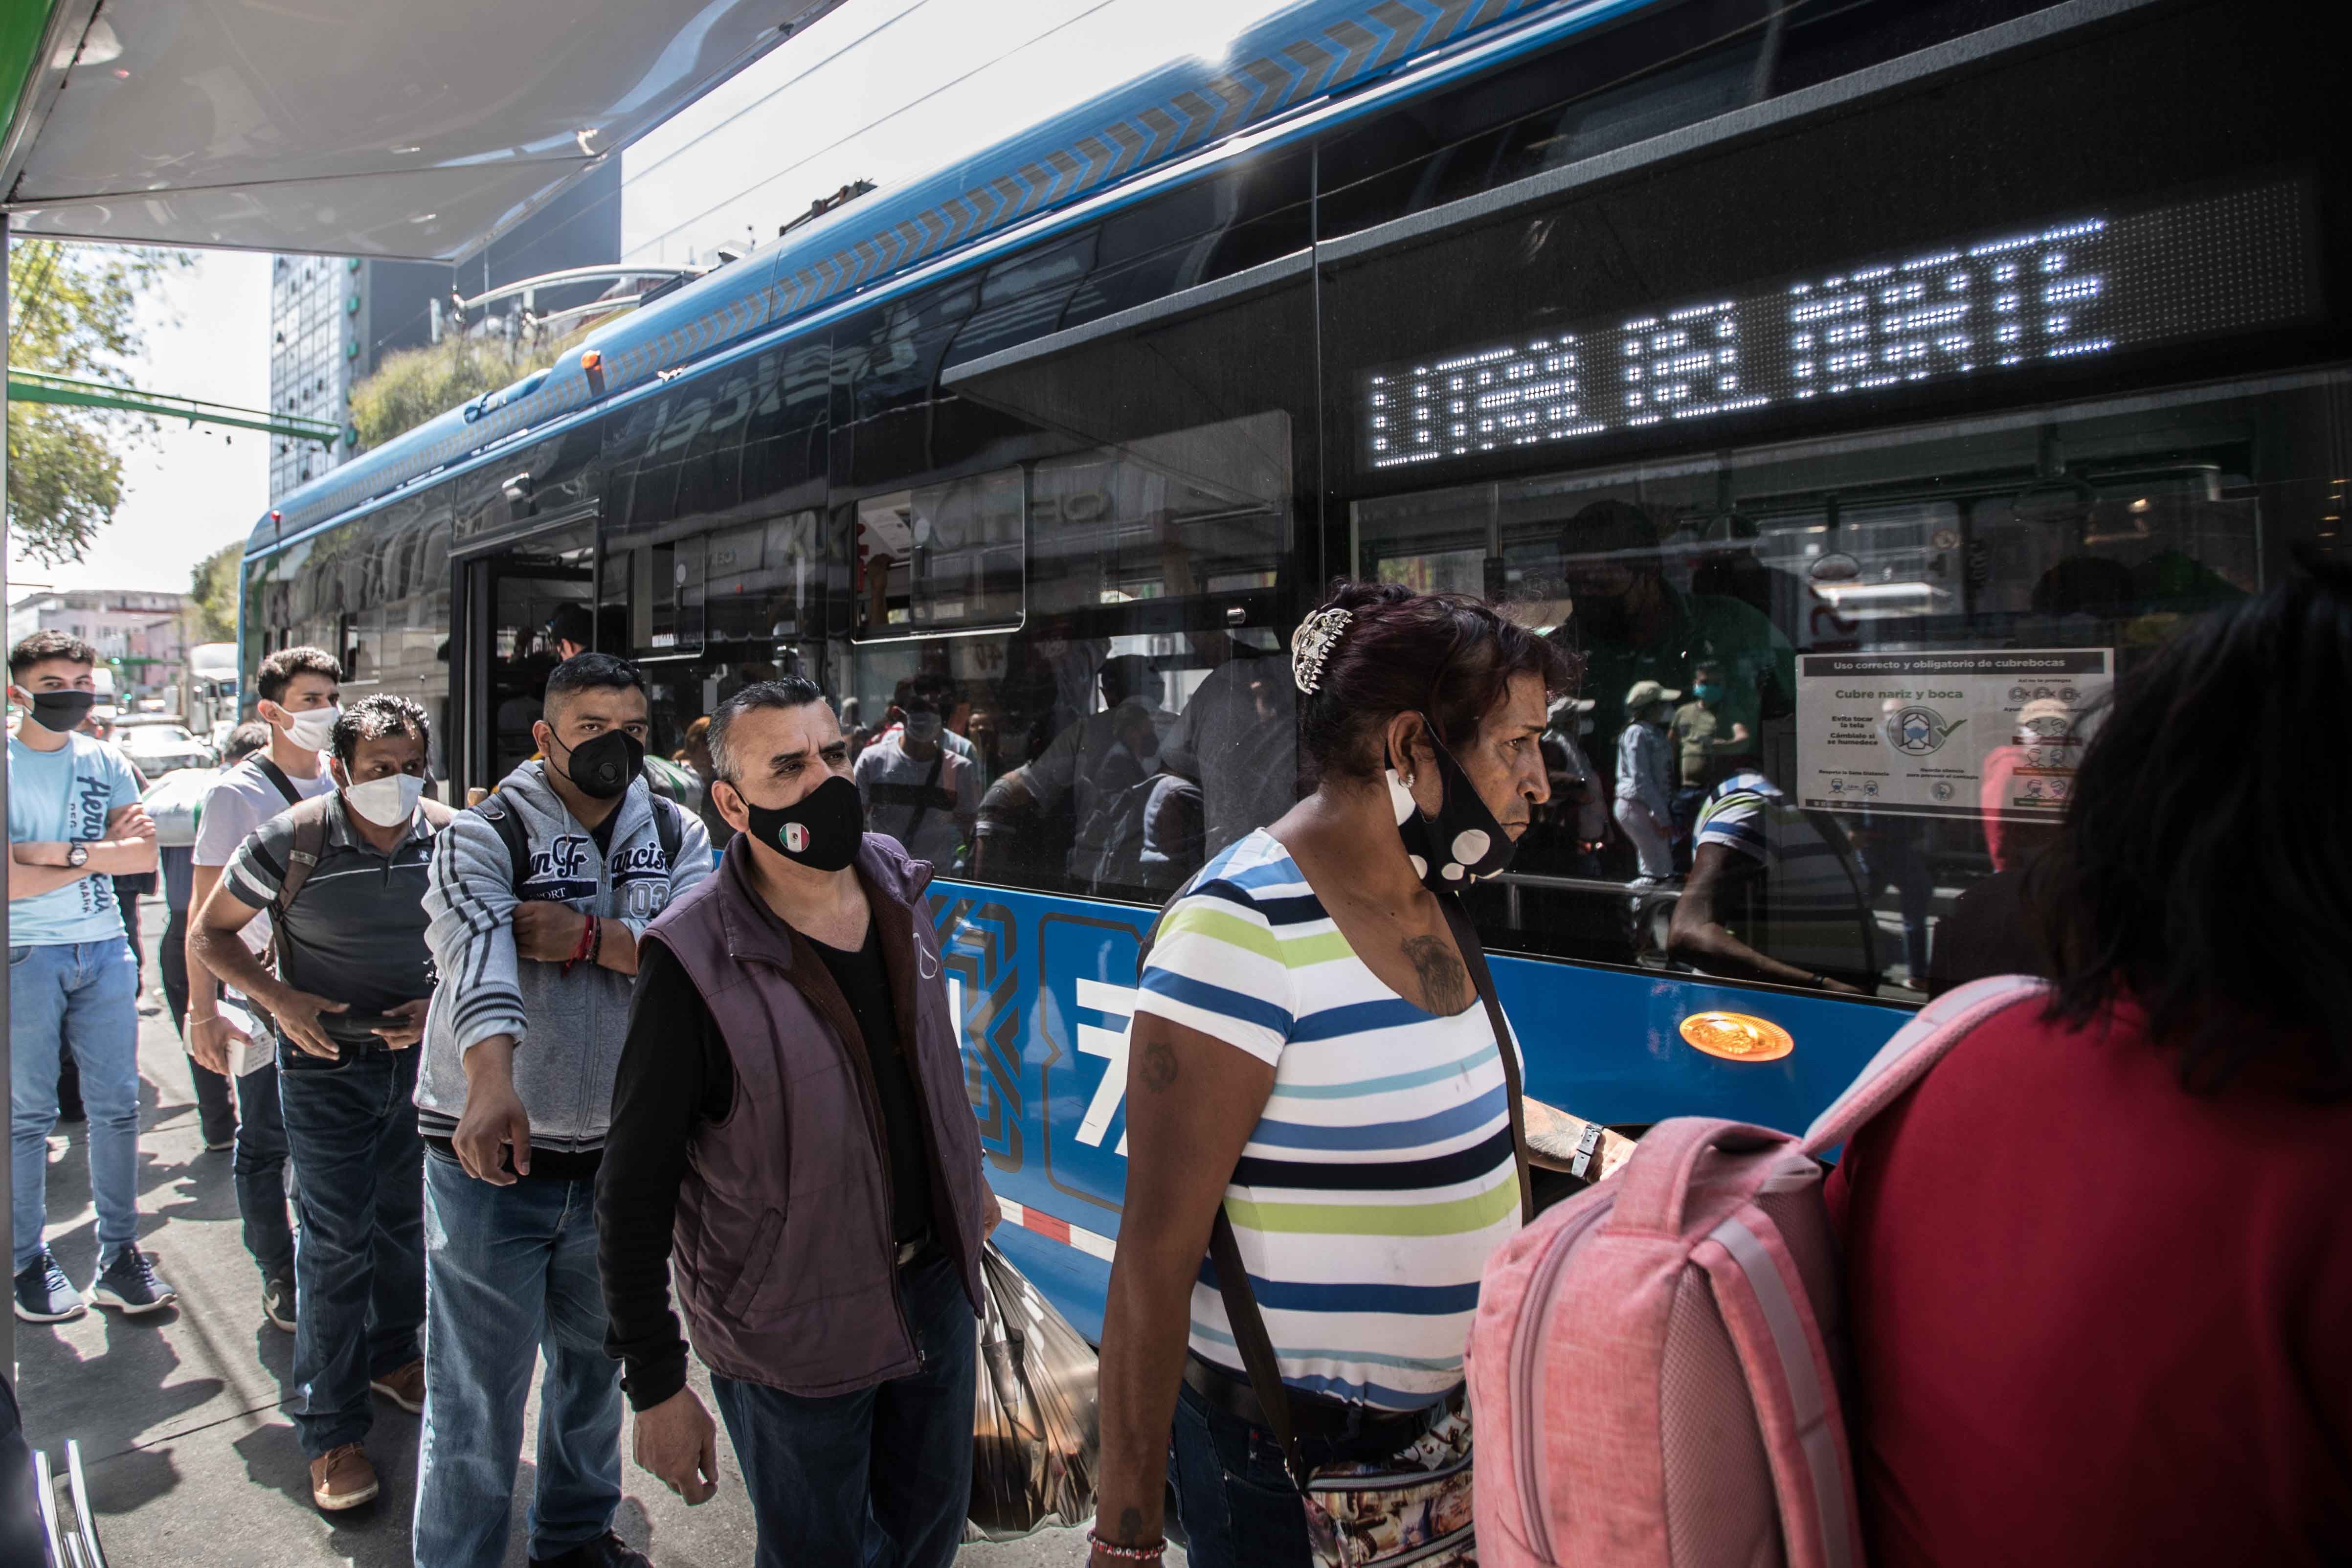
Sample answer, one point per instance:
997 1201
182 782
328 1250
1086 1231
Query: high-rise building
333 319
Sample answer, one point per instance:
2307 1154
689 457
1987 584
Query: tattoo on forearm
1130 1522
1159 1065
1444 981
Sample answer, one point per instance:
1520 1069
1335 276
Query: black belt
1357 1427
910 1252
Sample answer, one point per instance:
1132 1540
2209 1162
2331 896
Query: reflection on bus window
941 557
1863 671
1139 715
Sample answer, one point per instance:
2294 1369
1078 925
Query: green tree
411 386
212 592
73 310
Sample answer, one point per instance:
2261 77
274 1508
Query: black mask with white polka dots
1459 845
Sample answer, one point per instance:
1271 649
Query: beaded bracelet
1151 1554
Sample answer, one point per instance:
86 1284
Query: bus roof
1170 121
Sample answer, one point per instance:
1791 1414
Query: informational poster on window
1964 734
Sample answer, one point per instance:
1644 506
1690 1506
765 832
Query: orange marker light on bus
592 364
1738 1036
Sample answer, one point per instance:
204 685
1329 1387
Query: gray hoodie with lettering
567 1027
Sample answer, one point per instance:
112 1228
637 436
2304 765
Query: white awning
417 129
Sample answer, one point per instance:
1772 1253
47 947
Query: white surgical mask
387 802
313 728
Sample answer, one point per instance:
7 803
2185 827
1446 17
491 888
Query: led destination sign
1999 305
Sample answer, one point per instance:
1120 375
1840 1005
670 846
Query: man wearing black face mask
829 1233
537 898
74 824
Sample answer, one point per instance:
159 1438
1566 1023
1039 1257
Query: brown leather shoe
405 1388
342 1478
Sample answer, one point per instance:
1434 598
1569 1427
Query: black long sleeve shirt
675 1074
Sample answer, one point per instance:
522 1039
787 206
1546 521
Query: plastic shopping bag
1036 1427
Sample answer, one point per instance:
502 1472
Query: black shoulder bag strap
923 806
1251 1339
277 775
1225 1247
1465 937
1233 1284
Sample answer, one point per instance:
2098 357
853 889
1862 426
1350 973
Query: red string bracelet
587 938
1151 1554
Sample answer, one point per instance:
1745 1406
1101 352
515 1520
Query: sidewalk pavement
192 1462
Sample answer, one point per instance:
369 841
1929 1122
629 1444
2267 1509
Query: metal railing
67 1542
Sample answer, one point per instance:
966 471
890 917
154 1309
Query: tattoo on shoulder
1158 1065
1445 983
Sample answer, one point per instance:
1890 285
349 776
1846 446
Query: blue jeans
510 1272
880 1478
1238 1504
258 1165
81 997
360 1270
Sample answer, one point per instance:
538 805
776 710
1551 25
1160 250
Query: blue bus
1878 378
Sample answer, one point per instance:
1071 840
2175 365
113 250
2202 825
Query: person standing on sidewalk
297 688
537 898
216 1099
1311 1061
842 1347
344 877
73 823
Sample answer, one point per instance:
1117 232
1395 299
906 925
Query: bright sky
880 89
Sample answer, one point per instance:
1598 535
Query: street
191 1459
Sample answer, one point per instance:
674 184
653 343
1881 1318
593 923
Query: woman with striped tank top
1310 1054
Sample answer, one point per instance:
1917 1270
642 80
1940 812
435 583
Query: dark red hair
1447 656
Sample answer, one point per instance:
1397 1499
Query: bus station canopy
413 129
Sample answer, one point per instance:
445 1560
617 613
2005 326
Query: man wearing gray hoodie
537 898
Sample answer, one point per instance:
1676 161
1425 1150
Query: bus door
508 594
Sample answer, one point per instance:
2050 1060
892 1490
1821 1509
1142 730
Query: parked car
155 749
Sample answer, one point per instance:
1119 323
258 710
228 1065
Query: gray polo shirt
356 931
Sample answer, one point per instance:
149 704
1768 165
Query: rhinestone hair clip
1312 643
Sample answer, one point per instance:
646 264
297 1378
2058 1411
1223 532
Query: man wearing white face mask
298 686
344 879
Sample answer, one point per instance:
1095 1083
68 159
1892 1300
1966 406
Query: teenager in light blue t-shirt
74 825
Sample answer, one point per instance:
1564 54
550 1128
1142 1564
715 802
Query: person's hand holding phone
411 1027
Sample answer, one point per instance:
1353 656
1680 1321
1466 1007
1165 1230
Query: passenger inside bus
1633 624
1103 765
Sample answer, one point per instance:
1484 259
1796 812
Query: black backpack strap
1474 956
511 833
669 826
277 775
309 822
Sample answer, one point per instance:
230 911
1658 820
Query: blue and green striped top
1380 1176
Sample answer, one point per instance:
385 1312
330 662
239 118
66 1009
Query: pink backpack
1654 1365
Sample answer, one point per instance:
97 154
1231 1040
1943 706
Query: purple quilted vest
784 1255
